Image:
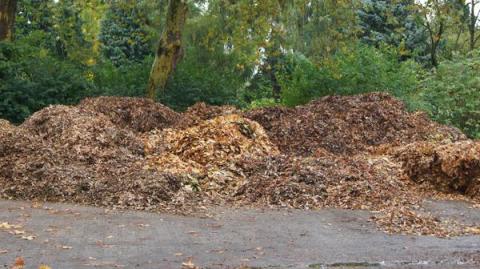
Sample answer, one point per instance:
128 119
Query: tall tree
326 27
35 15
60 24
69 28
8 10
392 22
472 24
123 35
169 49
438 15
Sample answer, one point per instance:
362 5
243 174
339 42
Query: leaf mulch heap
357 152
348 125
135 114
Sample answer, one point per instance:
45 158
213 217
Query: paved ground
68 236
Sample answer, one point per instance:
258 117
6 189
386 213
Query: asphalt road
70 236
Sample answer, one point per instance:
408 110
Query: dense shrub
302 81
210 78
124 80
31 78
367 69
123 35
451 94
358 70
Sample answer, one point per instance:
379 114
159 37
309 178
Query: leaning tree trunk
8 9
169 48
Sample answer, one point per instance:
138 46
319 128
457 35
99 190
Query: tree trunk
169 49
276 88
8 9
435 39
472 25
274 52
433 56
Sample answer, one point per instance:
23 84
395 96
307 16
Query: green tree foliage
249 53
123 35
302 81
472 21
124 80
34 15
325 27
61 24
366 69
392 22
68 28
210 71
438 16
201 80
32 78
452 94
358 70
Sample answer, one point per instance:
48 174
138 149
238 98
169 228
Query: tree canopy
248 53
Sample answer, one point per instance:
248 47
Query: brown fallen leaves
406 220
347 125
188 264
16 230
208 155
215 142
135 114
357 152
20 264
447 167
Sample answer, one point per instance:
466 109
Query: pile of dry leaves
135 114
64 153
357 152
348 124
82 134
201 112
451 167
209 153
218 141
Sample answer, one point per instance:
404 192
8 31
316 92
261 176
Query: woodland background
248 53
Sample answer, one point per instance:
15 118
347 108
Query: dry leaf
473 230
189 264
28 237
19 263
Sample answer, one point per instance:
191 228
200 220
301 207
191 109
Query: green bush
194 80
263 102
302 81
452 94
124 80
31 78
367 69
213 80
123 35
359 70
